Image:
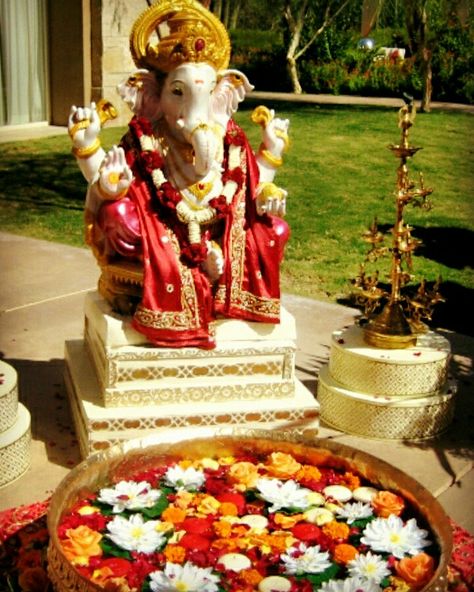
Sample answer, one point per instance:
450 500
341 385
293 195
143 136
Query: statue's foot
214 264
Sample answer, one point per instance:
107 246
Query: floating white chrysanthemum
369 567
302 559
350 585
390 535
179 478
184 578
283 494
355 511
129 495
134 534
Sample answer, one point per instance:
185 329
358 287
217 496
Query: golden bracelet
88 150
111 196
272 160
78 126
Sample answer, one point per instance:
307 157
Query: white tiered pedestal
15 430
398 394
121 387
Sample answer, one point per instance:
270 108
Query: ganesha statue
183 217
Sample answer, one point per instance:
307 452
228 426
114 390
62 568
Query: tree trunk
293 74
427 81
234 15
217 8
226 17
417 28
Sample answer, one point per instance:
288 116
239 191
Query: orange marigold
228 509
251 577
352 481
222 528
173 514
175 553
308 473
284 521
336 530
226 545
343 553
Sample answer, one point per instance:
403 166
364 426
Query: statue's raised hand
271 199
275 134
115 175
84 125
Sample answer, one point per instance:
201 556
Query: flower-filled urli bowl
244 510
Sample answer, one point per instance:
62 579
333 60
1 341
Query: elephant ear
141 93
231 89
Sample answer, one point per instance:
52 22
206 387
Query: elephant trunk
205 144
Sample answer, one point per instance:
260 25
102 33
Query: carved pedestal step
15 433
252 361
388 394
99 427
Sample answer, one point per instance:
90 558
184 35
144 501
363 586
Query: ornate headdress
186 32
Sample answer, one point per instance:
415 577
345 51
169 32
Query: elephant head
194 101
183 81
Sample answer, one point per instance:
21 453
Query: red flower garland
192 254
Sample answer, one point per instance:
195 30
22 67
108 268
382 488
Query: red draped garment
179 303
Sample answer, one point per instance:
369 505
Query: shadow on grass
51 179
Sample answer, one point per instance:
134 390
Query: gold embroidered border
240 298
188 317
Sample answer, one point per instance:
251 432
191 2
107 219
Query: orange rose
386 503
34 579
417 570
282 465
245 473
344 553
81 544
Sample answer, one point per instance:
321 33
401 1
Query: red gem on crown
199 44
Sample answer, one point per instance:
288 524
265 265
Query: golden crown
186 32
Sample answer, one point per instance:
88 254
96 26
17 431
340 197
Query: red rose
120 567
306 532
200 526
234 498
195 542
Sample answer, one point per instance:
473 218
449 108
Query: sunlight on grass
339 174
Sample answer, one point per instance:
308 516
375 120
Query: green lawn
339 175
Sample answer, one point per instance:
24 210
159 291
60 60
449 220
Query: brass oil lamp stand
400 320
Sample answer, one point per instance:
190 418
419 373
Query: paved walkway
41 302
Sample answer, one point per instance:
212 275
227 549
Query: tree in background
305 22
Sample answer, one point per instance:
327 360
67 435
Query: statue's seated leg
121 281
118 221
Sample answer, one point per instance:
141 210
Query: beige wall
117 19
